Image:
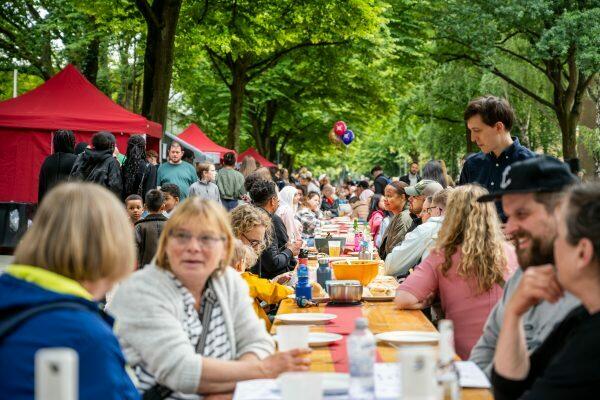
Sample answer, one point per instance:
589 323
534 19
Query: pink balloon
339 128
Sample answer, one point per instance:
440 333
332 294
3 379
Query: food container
348 291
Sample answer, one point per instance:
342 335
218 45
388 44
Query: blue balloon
348 137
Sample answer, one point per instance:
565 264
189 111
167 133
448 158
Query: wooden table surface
382 317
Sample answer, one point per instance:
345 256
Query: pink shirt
467 310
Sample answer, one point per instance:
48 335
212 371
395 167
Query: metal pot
344 291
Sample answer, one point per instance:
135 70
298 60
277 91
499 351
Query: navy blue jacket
102 373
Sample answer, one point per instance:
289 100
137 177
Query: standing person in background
98 164
306 180
149 228
139 176
230 182
205 187
490 119
248 166
171 195
57 167
188 156
79 245
152 157
412 178
80 147
177 171
381 181
433 171
289 197
135 207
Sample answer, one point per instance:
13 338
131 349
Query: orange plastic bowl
363 271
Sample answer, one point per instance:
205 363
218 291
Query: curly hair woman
467 268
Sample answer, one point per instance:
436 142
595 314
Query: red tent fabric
65 101
194 136
254 153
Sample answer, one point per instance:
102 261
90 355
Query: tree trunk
470 147
161 20
236 103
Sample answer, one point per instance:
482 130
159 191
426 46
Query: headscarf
286 196
136 158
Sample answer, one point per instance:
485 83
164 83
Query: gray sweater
538 323
206 190
149 310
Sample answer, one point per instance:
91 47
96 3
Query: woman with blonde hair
248 166
186 322
466 269
66 262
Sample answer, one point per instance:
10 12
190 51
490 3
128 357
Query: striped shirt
217 343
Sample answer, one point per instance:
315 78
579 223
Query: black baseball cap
538 174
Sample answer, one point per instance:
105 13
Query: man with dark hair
530 191
177 171
361 186
57 167
98 164
412 178
278 257
381 181
489 119
149 228
230 182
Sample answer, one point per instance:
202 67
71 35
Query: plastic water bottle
323 273
303 288
447 373
361 360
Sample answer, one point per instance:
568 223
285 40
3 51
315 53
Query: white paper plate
305 318
409 337
318 339
334 383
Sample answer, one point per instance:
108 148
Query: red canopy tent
65 101
194 137
256 155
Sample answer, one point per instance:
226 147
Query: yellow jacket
264 290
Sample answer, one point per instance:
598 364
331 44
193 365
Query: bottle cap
361 323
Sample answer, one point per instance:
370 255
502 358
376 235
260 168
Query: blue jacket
102 373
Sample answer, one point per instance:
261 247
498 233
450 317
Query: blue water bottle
323 273
303 288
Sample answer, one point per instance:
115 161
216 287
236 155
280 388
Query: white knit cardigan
149 312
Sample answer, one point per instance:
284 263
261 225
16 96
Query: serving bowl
363 271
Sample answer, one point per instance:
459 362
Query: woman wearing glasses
186 322
251 226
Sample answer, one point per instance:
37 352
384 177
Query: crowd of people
511 254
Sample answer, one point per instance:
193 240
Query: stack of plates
305 318
408 337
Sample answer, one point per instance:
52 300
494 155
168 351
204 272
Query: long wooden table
382 317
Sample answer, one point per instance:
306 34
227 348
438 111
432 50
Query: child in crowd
264 292
172 195
149 228
135 207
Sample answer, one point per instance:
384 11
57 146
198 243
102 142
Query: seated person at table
417 195
172 194
186 322
360 208
264 292
278 257
309 213
565 365
65 266
149 228
396 202
289 197
329 204
467 268
376 214
535 187
416 244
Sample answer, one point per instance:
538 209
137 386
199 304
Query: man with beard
530 191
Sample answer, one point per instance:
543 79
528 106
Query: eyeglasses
430 209
255 244
206 241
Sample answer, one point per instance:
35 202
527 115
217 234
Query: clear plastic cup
334 248
301 385
291 337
